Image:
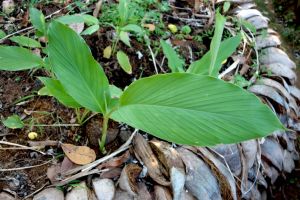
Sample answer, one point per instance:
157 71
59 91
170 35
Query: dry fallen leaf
80 155
151 27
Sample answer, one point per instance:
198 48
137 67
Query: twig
229 69
22 147
153 58
79 175
97 8
35 192
22 168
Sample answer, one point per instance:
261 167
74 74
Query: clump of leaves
185 108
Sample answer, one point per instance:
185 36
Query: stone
5 196
79 192
104 188
49 194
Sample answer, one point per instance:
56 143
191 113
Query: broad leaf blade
13 122
37 19
216 41
90 30
227 48
195 110
18 58
76 69
58 91
25 41
174 62
123 60
124 37
132 28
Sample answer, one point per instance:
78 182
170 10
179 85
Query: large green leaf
37 19
76 69
174 62
195 110
215 43
25 41
18 58
227 47
58 91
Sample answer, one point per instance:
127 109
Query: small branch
22 168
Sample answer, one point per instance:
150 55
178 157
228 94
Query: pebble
5 196
49 194
104 188
79 192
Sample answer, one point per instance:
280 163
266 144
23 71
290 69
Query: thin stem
104 133
52 125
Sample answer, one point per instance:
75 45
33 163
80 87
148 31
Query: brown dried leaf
112 173
80 155
143 151
171 160
115 162
151 27
127 181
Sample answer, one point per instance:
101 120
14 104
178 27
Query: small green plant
185 108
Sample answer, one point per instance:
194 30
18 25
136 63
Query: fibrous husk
263 41
295 92
270 171
272 151
225 178
145 154
127 180
268 92
171 160
200 180
283 91
281 70
243 6
288 161
142 192
275 55
249 149
122 195
162 193
231 155
259 22
247 13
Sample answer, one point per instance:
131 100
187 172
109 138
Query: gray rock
49 194
104 189
79 192
5 196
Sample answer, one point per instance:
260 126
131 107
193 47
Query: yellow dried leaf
173 28
107 52
80 155
32 135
